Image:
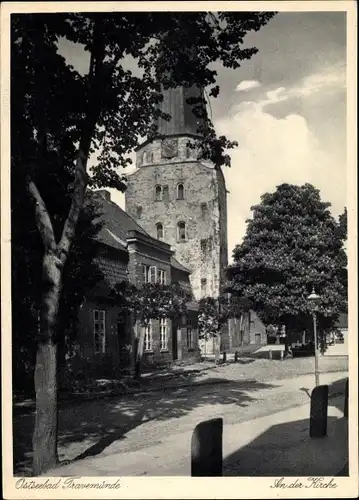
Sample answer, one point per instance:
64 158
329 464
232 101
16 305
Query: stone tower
180 199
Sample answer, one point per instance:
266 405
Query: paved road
133 423
273 445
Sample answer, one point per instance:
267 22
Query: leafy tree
214 313
292 243
343 224
106 110
150 301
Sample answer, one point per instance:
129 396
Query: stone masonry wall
206 243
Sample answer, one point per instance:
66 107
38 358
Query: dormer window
181 231
158 193
180 192
159 231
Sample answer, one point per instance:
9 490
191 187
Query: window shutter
144 273
153 274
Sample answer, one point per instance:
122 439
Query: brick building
128 252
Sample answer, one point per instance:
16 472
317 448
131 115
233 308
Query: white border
177 487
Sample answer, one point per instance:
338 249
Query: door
257 338
174 342
122 341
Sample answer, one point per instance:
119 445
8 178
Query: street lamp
313 298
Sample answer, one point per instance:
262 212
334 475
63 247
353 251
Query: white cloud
332 79
328 79
276 150
247 85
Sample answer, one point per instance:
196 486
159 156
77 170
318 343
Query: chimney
104 193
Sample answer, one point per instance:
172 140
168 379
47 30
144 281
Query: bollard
318 412
224 356
270 354
346 398
236 357
206 448
281 355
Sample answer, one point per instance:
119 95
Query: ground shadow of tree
94 425
271 453
286 450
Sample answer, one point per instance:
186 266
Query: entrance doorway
174 343
257 338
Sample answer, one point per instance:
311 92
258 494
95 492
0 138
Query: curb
107 395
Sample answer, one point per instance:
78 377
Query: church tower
180 199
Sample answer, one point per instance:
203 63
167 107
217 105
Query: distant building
337 340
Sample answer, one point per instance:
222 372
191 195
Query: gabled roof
178 265
117 223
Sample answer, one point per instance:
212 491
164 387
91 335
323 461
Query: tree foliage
214 313
292 244
59 117
151 300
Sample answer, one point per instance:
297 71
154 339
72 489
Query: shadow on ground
94 425
286 450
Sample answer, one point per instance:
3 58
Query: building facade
106 334
180 199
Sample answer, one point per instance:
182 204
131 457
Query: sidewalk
273 445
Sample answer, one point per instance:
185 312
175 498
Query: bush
81 373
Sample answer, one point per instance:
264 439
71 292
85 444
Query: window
181 231
150 157
188 152
203 287
161 276
149 274
180 192
159 230
158 193
138 211
166 196
144 157
204 209
99 330
147 341
163 334
189 334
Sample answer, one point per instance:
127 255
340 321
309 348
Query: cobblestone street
132 423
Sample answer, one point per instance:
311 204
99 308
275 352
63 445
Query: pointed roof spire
183 119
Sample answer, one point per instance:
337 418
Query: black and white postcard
179 250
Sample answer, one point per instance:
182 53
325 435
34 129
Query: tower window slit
159 230
158 193
181 231
180 192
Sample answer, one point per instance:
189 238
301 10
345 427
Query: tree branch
78 197
42 217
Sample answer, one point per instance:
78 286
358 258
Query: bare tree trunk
217 347
139 353
46 418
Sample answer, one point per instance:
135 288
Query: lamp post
313 298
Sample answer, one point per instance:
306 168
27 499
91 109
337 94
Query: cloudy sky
287 110
286 107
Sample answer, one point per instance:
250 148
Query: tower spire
183 117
